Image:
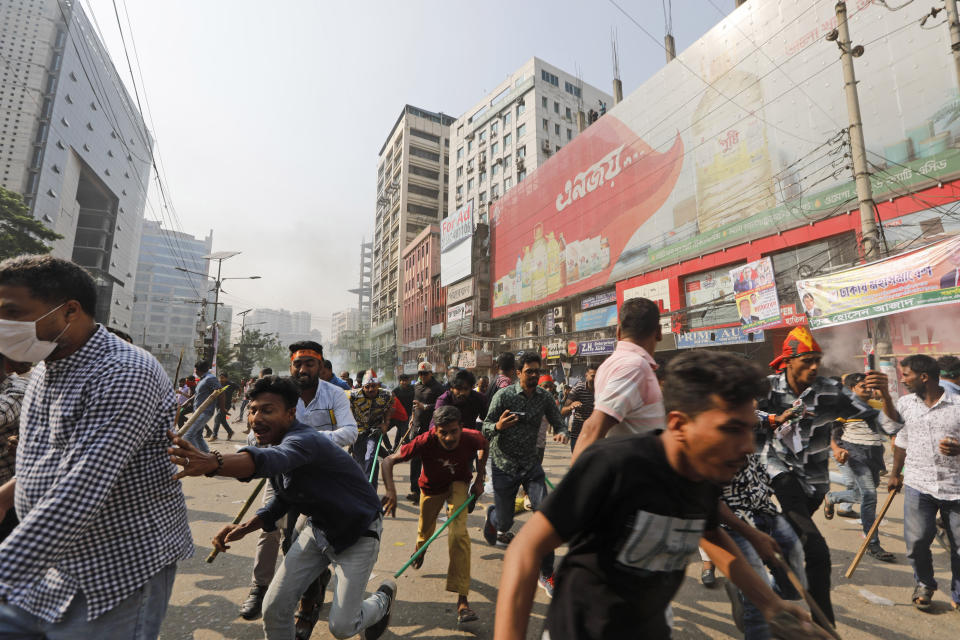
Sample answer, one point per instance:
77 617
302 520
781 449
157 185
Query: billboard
926 277
738 138
755 294
456 235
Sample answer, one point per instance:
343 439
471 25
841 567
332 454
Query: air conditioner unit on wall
560 327
530 328
558 313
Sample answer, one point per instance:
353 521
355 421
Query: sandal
828 509
922 596
416 564
306 621
878 552
466 615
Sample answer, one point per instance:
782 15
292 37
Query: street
206 596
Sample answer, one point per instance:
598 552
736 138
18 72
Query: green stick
426 544
549 484
376 453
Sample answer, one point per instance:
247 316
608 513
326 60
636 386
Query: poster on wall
678 170
456 235
926 277
755 294
596 318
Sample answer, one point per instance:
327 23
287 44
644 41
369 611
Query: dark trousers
220 420
415 464
797 508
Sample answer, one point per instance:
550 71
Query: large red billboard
562 230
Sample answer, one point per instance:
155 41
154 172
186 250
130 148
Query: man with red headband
798 414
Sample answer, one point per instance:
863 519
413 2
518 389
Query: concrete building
168 302
73 143
412 172
423 297
289 326
342 321
515 129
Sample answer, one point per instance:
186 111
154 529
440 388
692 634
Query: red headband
306 353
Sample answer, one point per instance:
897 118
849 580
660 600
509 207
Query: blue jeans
308 557
505 487
195 435
137 617
755 625
919 529
862 468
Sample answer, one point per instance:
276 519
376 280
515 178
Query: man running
102 524
471 404
633 511
926 465
207 383
425 394
371 408
511 427
579 402
224 402
448 452
798 414
403 392
628 396
315 477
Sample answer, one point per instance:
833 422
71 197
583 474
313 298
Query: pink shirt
628 392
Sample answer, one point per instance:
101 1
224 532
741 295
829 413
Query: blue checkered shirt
99 509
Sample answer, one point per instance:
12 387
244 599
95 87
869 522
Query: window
494 170
470 184
507 183
459 192
506 160
549 77
460 154
571 89
520 109
494 148
506 119
546 125
569 134
426 173
423 153
556 148
483 177
522 129
423 211
556 107
569 114
493 128
507 139
483 197
543 102
714 291
469 146
522 151
459 172
494 192
556 129
424 135
521 175
483 136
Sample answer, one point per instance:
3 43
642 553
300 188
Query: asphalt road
206 596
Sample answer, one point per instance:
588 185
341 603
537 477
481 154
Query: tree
20 233
258 349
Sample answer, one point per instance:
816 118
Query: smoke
842 348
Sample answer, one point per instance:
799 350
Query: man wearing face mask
89 464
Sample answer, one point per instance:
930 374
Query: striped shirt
584 395
627 390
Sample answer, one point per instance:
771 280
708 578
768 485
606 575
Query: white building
412 173
515 129
346 320
74 144
289 326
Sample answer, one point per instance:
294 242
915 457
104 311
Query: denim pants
363 452
308 557
755 625
136 617
195 435
920 527
862 468
505 487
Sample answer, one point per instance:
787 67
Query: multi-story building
423 296
412 172
74 144
519 125
168 301
289 326
342 321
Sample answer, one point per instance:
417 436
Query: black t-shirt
632 524
405 395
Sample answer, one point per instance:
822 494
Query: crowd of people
705 453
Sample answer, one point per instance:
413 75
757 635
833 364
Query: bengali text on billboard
456 234
755 294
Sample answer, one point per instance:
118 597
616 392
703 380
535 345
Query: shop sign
716 337
597 347
598 300
460 291
596 318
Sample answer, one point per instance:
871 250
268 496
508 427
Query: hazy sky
269 115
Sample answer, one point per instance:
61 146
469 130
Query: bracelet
219 457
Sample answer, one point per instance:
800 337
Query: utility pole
954 21
858 150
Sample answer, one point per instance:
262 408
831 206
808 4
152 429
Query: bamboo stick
873 531
243 512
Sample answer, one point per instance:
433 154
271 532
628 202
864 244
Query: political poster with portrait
923 278
755 292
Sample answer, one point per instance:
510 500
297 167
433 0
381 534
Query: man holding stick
371 408
312 475
447 452
102 524
633 511
926 465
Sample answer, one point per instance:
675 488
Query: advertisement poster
755 294
596 318
926 277
456 235
709 153
716 338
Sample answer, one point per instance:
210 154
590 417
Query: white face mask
19 342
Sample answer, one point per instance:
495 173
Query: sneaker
848 513
547 583
413 497
736 604
374 631
922 596
708 577
252 607
489 531
504 538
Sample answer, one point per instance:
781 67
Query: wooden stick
243 512
873 532
815 609
176 388
196 414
